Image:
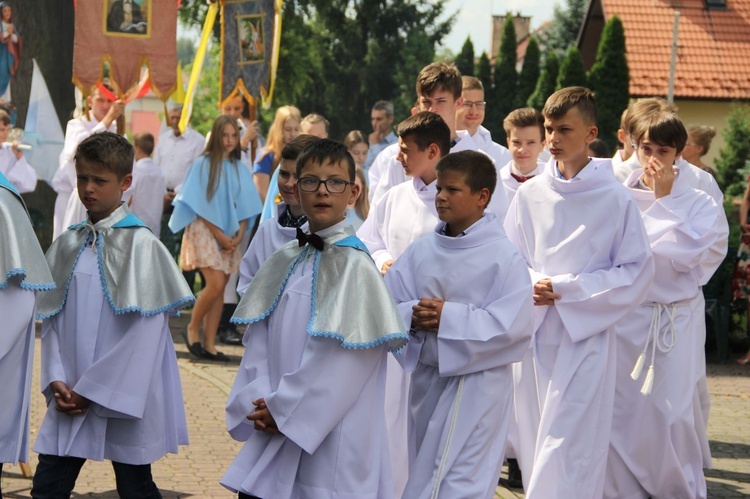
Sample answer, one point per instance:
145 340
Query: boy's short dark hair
111 151
471 83
477 168
144 142
568 98
439 76
293 149
314 118
599 148
322 150
4 117
426 128
663 128
523 118
642 108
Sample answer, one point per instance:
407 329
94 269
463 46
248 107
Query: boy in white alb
279 230
147 202
308 397
439 88
109 370
465 292
525 130
23 272
12 162
581 234
470 116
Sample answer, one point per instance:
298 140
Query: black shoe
214 356
194 348
230 336
515 480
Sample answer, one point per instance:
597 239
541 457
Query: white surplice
327 402
125 364
655 449
510 185
16 362
499 154
586 235
20 173
269 237
175 154
387 172
148 197
461 383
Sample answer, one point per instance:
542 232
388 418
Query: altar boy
465 291
308 400
109 371
581 234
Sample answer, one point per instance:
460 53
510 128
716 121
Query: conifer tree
504 82
734 157
465 60
529 73
609 79
572 73
545 85
484 71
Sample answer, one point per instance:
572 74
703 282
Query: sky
475 18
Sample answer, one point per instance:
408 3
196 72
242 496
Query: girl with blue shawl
214 205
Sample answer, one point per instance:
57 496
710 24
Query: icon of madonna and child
10 48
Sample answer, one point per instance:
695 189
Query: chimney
522 25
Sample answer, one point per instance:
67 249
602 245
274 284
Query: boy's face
316 129
287 180
442 103
470 114
667 155
234 107
99 189
525 145
322 207
416 163
359 153
456 204
568 136
99 105
4 132
291 130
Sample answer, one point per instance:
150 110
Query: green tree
546 83
572 73
206 100
609 79
734 157
185 51
465 60
504 80
529 73
566 23
484 71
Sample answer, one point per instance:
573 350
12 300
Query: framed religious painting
251 39
130 18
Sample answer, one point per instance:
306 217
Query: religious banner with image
127 34
250 39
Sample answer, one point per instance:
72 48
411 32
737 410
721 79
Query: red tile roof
713 58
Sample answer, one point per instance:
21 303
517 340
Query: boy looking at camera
320 324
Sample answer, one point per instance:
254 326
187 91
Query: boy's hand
251 133
67 401
661 176
386 266
15 150
118 107
263 421
427 313
81 402
543 293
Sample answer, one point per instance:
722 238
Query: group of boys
532 319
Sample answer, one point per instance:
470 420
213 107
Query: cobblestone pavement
196 470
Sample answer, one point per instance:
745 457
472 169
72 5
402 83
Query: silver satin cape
20 254
138 273
350 302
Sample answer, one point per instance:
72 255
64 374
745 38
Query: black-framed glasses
312 184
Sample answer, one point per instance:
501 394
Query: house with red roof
713 55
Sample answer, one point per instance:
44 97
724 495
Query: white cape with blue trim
138 273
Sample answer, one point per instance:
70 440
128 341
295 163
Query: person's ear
433 150
484 197
354 195
126 182
593 131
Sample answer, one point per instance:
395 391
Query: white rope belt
664 341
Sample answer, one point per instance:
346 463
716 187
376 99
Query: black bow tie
313 240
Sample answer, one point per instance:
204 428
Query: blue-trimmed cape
138 274
20 254
350 302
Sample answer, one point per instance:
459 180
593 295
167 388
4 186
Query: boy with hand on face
276 232
465 291
582 237
308 397
109 370
525 131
